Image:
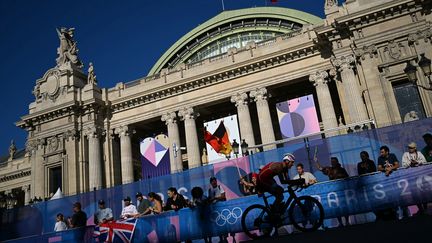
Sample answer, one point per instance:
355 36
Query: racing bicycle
305 213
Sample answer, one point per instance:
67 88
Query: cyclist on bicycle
266 182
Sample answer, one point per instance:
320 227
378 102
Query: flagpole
223 5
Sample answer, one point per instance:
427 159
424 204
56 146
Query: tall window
55 179
408 101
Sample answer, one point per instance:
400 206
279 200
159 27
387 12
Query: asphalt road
413 229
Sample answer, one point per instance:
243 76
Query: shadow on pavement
411 229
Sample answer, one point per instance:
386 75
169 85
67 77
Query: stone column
319 79
125 133
246 131
357 109
26 189
95 164
170 120
188 115
264 118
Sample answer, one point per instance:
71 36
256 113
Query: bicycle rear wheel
306 213
256 222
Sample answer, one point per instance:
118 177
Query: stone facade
354 58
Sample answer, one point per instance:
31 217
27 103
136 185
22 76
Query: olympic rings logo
226 216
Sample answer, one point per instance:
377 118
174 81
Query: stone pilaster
357 109
188 115
246 131
320 79
71 182
125 133
26 189
95 163
264 118
36 151
170 120
367 57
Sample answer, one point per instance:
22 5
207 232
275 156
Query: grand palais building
355 63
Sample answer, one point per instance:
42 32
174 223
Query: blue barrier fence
39 219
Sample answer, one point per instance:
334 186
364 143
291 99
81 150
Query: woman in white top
60 224
412 157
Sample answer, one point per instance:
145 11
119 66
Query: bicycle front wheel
306 213
256 222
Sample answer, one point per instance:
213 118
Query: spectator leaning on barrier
309 177
249 185
79 218
427 150
103 214
366 165
156 208
387 162
142 203
413 157
215 192
175 200
129 210
334 172
198 197
60 225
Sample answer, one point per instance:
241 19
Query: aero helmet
289 157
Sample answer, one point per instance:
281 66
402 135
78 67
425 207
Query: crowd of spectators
387 162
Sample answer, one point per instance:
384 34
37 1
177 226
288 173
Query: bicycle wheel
256 222
306 213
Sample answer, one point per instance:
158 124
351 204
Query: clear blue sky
123 39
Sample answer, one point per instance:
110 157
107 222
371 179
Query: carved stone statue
204 158
330 3
12 150
411 116
340 121
67 51
91 78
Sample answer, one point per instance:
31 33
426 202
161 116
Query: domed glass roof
233 28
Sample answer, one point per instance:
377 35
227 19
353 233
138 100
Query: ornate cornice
356 21
237 70
48 115
15 176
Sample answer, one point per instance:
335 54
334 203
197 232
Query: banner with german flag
219 140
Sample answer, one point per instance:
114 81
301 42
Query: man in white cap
413 157
266 182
